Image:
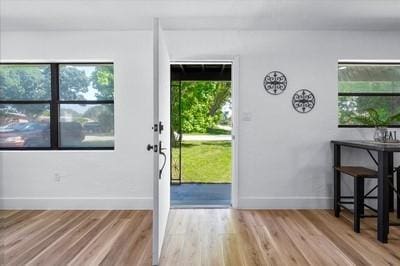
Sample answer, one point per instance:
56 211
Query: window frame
55 104
364 93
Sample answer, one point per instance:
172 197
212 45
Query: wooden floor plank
311 243
231 250
95 252
19 217
334 236
172 249
273 237
251 254
192 254
31 240
63 229
122 247
211 246
74 248
7 213
291 252
51 254
132 244
17 235
206 237
381 254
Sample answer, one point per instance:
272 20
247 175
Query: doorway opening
201 134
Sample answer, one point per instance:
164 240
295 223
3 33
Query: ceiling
200 14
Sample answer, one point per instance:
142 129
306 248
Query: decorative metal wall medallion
275 82
303 101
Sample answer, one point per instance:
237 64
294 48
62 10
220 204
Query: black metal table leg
391 179
398 191
358 202
337 193
361 190
383 197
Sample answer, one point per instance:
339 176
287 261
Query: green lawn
204 162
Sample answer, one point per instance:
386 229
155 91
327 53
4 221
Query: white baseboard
90 203
146 203
285 203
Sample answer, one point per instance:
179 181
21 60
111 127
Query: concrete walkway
200 195
190 137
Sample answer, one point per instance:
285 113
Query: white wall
119 179
285 158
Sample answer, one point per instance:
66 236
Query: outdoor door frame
234 61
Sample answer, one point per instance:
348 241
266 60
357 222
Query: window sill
57 150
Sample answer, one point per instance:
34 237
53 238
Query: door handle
160 150
152 147
164 157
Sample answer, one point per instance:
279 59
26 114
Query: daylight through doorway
201 138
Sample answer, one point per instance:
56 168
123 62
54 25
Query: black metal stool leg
358 202
337 193
361 190
398 191
391 180
336 178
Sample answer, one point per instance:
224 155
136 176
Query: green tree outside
201 104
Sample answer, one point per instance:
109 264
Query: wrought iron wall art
303 101
275 82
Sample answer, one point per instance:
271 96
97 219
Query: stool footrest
357 171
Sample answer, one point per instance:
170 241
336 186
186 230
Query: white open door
161 145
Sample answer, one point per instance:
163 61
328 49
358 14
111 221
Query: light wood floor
246 237
76 237
194 237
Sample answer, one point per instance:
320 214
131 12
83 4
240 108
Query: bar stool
359 175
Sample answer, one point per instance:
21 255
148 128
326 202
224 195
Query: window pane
369 78
25 82
90 125
350 106
24 125
87 82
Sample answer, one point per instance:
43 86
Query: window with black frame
57 106
369 94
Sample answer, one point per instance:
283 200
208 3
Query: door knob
152 147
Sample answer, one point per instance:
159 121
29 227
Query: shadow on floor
200 194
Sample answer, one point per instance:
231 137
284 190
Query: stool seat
358 171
